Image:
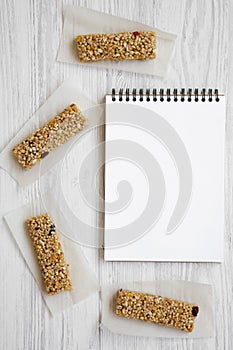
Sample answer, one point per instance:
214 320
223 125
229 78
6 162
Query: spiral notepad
164 175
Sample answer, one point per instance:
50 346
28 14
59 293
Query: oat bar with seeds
157 309
116 46
48 249
53 134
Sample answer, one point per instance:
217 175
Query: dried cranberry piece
195 310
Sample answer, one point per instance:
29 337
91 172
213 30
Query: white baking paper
65 95
80 20
83 278
198 293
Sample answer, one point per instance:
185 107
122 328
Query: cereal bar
118 46
49 253
157 309
53 134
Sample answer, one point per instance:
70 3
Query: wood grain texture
30 34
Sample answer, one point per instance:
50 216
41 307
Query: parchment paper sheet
83 278
65 95
80 20
182 290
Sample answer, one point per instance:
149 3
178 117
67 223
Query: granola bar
49 253
53 134
118 46
157 309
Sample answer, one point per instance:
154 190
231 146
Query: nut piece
53 134
118 46
49 253
157 309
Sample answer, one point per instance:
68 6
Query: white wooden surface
30 33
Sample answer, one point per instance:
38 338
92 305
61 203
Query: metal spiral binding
203 95
196 99
121 95
210 99
175 94
134 95
127 95
162 95
113 95
140 95
168 95
189 95
182 95
154 95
